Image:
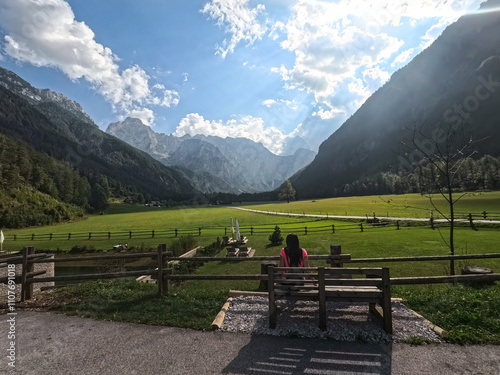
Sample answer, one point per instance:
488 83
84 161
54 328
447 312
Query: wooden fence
163 274
370 223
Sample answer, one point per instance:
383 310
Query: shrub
182 244
82 249
276 238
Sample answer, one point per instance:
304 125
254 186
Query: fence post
69 236
130 234
484 215
336 249
152 234
109 235
471 222
161 290
32 236
199 231
26 289
361 226
333 228
175 232
90 235
305 230
397 224
50 236
251 231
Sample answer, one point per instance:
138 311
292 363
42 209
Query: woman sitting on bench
293 256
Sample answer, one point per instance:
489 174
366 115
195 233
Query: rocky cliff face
232 165
41 97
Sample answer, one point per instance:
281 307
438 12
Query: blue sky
286 73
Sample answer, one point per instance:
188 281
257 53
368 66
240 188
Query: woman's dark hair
293 250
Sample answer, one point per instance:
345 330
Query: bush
182 245
212 249
77 249
276 238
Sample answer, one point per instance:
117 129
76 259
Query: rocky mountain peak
17 85
238 164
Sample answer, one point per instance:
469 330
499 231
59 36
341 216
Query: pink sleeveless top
283 254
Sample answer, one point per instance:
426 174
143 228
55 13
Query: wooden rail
27 278
162 272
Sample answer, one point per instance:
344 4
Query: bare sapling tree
436 157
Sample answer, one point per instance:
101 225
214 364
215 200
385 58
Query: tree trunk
452 228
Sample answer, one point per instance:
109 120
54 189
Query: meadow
121 219
110 300
403 205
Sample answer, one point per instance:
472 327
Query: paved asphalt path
49 343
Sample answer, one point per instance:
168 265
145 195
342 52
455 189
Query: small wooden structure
334 284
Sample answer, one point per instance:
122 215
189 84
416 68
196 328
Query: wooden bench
332 284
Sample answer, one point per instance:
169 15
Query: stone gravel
346 321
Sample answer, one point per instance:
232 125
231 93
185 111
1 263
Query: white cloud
276 30
239 20
45 33
403 57
327 115
291 104
246 127
340 51
269 102
146 115
330 45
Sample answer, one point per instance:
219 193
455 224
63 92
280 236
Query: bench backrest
309 277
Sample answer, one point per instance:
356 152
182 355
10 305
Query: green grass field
405 205
120 219
204 298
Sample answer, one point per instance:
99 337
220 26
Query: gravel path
346 321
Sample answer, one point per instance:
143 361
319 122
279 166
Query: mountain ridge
233 165
58 127
424 93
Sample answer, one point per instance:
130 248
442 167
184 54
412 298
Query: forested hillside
55 165
473 175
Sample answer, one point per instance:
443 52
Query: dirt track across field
49 343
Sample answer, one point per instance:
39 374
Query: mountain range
48 122
453 84
215 164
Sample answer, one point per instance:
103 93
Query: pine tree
276 238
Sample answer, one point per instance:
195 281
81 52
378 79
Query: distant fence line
225 231
459 215
478 215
